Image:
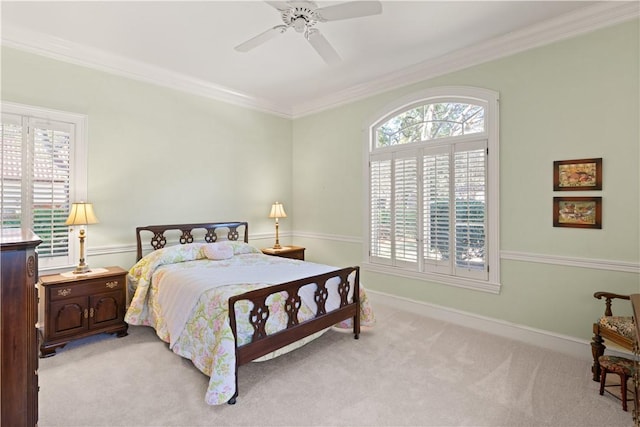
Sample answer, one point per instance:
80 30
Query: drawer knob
112 285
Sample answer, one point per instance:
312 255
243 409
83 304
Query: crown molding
559 28
562 27
79 54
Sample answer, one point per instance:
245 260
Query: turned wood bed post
232 324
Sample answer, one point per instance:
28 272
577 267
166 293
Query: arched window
433 188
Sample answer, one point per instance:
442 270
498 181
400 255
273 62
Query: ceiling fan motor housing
301 15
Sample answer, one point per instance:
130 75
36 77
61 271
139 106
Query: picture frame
577 175
577 212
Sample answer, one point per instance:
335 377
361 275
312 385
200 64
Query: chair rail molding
596 264
562 260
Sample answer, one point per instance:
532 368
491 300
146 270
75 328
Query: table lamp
277 211
81 213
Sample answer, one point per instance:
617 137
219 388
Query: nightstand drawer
87 287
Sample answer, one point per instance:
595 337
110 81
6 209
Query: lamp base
82 269
277 246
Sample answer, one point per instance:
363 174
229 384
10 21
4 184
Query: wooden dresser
19 336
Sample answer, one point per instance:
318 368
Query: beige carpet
408 371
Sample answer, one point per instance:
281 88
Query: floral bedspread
207 339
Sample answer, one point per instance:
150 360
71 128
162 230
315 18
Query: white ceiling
189 45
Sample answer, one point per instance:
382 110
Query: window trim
78 173
486 97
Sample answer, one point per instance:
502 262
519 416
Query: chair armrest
608 297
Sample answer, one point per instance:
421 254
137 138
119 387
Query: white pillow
218 251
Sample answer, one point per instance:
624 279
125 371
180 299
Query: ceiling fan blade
322 46
280 5
352 9
261 38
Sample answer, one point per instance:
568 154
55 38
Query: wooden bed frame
261 343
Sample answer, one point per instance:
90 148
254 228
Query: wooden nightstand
82 305
295 252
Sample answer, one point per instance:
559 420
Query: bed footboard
263 343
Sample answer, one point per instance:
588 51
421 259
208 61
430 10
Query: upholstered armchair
616 329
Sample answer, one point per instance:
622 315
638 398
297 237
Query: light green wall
573 99
157 155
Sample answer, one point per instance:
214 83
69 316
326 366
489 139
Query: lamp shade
80 214
277 211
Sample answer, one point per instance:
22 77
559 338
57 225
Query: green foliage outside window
431 121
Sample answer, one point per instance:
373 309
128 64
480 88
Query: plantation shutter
50 180
451 194
470 210
405 212
436 193
12 166
36 179
380 245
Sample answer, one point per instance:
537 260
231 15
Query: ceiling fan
302 16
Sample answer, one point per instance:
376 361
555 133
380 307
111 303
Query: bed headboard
211 233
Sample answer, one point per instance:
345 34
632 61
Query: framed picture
577 175
577 212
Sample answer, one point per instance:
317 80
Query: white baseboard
552 341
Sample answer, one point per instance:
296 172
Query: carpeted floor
407 371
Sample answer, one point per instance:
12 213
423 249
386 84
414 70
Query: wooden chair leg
623 391
597 350
603 379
